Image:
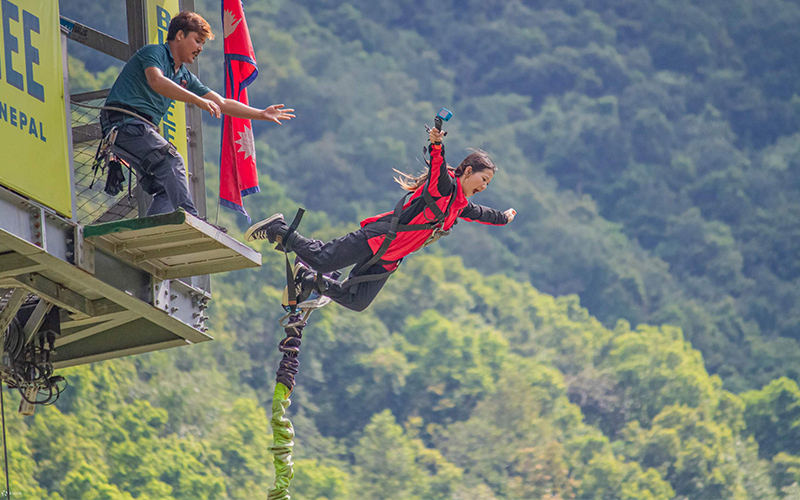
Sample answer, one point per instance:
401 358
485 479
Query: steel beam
113 321
68 113
121 353
14 264
53 292
90 96
104 310
137 24
36 319
195 163
96 40
18 296
86 133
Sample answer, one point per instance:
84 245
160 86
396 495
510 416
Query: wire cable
5 438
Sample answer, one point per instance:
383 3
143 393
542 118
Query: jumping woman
438 198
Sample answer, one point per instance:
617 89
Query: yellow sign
173 125
34 157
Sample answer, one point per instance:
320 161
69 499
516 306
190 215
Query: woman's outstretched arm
487 215
441 183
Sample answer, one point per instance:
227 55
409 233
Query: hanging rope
118 110
5 438
282 430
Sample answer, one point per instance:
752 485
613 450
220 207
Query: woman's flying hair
478 159
187 22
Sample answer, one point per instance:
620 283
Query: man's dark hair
187 22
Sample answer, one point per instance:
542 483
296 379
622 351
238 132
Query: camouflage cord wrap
283 442
282 430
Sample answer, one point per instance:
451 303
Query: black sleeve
484 215
441 182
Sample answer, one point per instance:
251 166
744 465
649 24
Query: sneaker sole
248 236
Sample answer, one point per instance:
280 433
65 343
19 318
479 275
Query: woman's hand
510 214
435 136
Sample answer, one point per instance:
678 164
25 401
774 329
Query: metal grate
93 204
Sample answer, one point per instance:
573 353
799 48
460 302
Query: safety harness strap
391 234
395 227
430 203
355 280
286 241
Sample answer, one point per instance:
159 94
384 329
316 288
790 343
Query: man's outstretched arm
170 89
232 107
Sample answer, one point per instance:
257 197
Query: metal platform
112 301
174 245
77 283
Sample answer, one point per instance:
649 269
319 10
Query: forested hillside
649 147
632 334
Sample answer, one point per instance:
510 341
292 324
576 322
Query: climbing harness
436 223
287 240
106 160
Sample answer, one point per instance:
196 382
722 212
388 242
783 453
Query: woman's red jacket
442 186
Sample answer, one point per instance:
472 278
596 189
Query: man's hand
210 106
510 214
435 135
276 113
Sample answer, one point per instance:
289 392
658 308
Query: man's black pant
337 254
160 167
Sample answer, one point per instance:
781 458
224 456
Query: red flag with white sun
237 166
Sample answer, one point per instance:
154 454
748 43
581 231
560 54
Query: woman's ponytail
411 182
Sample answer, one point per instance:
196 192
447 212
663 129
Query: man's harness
105 158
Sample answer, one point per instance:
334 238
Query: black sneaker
315 299
304 280
271 229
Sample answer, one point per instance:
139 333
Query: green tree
773 417
392 465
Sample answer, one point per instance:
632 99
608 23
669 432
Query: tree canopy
632 334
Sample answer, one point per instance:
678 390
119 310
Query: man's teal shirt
132 89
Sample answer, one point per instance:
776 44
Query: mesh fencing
93 204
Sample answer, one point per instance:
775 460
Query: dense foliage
650 149
592 349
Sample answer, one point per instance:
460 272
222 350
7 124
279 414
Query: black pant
165 176
350 249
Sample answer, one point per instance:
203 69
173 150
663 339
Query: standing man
150 81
